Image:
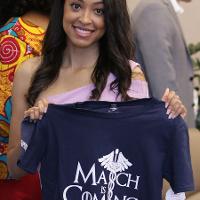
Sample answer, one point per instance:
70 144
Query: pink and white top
137 90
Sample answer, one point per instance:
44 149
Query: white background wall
190 19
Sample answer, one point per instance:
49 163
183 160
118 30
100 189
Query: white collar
178 9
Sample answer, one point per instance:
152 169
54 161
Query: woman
23 24
88 57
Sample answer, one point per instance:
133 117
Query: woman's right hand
36 112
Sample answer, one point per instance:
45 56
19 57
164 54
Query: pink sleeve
133 64
139 88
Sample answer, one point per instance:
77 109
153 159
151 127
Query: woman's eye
75 6
99 11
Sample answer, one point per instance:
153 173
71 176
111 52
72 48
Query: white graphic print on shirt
116 164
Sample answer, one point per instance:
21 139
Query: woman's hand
36 112
173 104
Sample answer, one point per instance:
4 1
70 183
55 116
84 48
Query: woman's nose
86 17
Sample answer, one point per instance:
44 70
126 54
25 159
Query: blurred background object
194 50
190 20
162 52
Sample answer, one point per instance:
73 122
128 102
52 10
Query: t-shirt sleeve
178 168
33 145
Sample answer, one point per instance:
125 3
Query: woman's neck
37 18
77 58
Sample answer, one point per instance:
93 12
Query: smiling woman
83 23
84 45
89 33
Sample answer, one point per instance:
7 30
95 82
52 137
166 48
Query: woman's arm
21 84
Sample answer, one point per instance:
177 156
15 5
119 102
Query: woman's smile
82 31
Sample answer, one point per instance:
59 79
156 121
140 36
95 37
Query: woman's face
83 21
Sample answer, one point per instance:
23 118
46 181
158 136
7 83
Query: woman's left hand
173 104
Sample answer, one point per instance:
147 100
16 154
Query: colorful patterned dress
19 41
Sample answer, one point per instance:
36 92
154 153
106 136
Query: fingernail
174 116
40 117
45 110
170 116
166 105
168 111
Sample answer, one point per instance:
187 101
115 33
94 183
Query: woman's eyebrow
97 2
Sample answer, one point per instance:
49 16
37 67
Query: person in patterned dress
20 39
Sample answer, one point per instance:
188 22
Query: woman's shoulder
133 64
34 18
137 72
28 67
139 87
23 76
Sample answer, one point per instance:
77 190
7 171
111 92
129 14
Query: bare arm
21 84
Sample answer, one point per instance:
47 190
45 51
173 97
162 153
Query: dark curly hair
23 6
5 11
115 49
15 8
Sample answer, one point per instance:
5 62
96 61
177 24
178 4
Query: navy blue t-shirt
102 151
